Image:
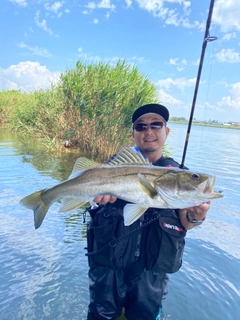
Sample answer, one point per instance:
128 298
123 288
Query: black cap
151 108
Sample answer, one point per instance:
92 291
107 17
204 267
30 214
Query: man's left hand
197 213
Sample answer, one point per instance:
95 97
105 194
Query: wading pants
109 293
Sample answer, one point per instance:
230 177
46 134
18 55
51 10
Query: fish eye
195 176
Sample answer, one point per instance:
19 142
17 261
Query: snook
129 177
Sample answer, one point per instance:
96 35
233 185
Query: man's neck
152 156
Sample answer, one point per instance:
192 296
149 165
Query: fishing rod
207 38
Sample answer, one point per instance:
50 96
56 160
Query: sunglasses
153 126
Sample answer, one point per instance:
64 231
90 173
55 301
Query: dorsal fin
128 156
82 164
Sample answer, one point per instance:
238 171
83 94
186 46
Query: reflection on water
57 166
211 293
43 272
75 228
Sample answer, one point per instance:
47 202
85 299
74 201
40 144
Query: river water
43 272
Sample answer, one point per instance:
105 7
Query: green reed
91 106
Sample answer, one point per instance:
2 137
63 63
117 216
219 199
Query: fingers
199 212
105 199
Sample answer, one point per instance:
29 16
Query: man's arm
194 213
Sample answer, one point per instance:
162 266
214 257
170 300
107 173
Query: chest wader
155 242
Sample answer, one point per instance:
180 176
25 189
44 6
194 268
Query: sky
163 38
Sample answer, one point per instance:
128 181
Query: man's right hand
105 199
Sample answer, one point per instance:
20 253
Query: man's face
152 138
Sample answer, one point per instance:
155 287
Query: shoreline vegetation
206 124
90 106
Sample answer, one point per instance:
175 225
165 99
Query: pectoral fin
131 212
146 186
69 204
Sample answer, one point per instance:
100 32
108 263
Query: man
132 273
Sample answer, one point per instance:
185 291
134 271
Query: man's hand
199 212
196 213
105 199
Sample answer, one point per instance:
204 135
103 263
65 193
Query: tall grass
91 106
17 109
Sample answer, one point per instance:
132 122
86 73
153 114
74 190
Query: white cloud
179 64
226 14
88 56
208 106
21 3
86 12
138 59
106 4
177 108
173 61
43 24
169 99
177 17
54 7
112 60
91 5
27 76
180 83
196 62
36 50
129 3
228 55
229 36
95 21
233 100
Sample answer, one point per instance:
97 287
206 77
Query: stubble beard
149 150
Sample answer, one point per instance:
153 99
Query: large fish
129 176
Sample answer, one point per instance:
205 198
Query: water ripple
43 273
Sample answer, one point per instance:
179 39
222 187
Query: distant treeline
209 123
91 106
178 119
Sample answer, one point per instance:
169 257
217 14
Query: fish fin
34 202
69 204
147 186
82 164
128 156
131 212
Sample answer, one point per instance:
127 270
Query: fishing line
207 38
211 63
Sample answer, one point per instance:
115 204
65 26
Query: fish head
191 188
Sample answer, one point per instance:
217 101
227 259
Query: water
43 272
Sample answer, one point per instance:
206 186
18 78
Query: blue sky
163 38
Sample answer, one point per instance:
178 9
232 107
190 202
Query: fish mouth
207 185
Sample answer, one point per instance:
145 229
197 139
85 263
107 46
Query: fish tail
34 202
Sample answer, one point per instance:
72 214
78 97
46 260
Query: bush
99 101
17 109
91 106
